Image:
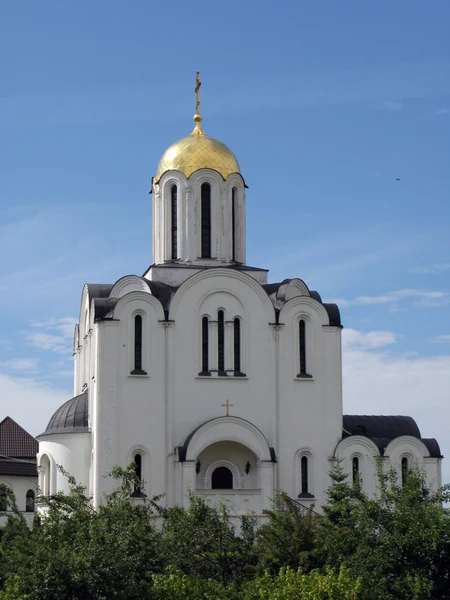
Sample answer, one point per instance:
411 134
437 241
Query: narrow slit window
3 504
174 209
355 469
404 469
221 343
29 501
304 476
138 472
206 220
233 222
138 345
237 347
205 347
302 348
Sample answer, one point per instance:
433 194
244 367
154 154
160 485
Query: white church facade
207 376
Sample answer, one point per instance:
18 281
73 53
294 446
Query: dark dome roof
377 426
71 417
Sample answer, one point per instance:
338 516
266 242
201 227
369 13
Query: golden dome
198 151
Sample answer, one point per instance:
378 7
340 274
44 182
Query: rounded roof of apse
197 151
71 417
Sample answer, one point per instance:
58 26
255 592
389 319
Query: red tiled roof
15 441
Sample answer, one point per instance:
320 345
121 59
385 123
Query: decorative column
266 482
191 225
189 477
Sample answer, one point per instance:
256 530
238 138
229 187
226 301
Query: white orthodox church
209 378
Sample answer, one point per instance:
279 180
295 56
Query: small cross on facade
227 406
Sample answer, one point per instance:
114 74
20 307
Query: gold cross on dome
198 83
227 405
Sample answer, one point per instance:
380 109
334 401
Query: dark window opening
304 482
29 501
302 348
355 469
205 347
137 459
174 208
404 469
221 343
3 505
233 221
138 346
222 479
237 348
206 220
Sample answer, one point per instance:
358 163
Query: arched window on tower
29 501
205 347
302 349
221 343
233 222
405 467
138 370
174 213
222 479
237 347
206 220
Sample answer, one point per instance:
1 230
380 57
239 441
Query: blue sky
325 105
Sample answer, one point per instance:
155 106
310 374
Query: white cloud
443 111
24 365
366 340
391 105
379 382
421 298
443 339
52 334
29 402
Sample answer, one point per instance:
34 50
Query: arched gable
406 445
356 444
143 298
227 429
308 306
221 275
296 287
127 284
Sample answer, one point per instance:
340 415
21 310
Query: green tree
289 536
201 541
397 544
76 552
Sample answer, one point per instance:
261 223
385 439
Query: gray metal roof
71 417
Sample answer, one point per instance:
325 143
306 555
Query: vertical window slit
237 347
29 501
221 343
205 347
206 220
304 476
355 468
302 349
174 209
404 469
138 345
138 472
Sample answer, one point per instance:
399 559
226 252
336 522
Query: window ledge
304 378
139 374
306 496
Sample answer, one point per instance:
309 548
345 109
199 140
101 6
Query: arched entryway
228 459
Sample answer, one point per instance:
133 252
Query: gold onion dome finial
197 150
